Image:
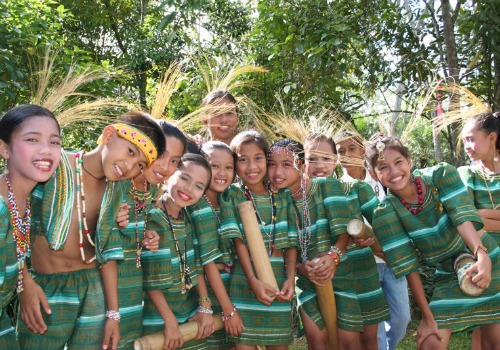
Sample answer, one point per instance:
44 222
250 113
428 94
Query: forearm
244 258
109 276
218 287
417 289
469 234
161 304
291 262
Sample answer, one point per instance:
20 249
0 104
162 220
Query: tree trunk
453 70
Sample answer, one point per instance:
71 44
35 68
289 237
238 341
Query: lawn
458 341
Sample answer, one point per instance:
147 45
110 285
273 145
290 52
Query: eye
214 166
241 159
200 187
271 164
131 151
31 139
141 166
175 161
57 143
230 167
287 165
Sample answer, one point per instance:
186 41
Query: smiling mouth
397 179
43 165
184 196
220 182
119 170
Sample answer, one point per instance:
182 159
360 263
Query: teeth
220 182
119 170
397 179
44 165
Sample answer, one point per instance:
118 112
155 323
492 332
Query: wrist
205 310
481 250
227 316
113 315
335 256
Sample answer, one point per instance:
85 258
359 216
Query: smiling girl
30 143
171 273
266 313
429 210
222 126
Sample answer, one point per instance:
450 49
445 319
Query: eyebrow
39 134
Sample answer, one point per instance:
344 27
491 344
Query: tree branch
114 26
456 11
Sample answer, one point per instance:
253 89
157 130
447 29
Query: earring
6 167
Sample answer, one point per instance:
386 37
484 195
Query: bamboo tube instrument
189 330
358 229
328 310
256 247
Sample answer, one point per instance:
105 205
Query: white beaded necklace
80 204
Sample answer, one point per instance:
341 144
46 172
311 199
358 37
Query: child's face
165 165
281 170
34 151
251 164
320 159
394 171
477 143
349 149
222 164
223 126
186 186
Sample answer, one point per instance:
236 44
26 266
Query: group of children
140 236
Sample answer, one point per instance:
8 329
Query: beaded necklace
213 208
21 231
305 233
80 207
272 235
420 198
183 266
140 203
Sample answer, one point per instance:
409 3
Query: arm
173 336
481 269
233 324
205 320
264 292
491 219
428 325
109 276
288 288
30 301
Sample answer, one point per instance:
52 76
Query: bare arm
109 276
173 336
205 321
31 301
288 288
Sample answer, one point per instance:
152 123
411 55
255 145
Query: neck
21 190
491 165
92 165
408 193
356 172
140 183
213 197
296 189
172 209
258 188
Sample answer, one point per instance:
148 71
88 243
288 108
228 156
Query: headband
138 138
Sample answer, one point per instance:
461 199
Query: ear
4 150
107 134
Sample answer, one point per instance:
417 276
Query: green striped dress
264 325
484 188
120 244
432 234
161 272
206 227
8 277
329 214
362 202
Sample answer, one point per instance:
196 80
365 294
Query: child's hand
122 216
111 335
264 292
364 242
233 325
206 325
151 240
173 335
288 289
480 272
324 269
30 301
426 329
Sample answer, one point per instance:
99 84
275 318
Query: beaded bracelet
336 250
480 247
335 257
114 315
224 317
204 300
205 310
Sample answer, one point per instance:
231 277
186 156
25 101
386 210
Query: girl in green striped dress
171 273
266 313
215 252
119 245
429 214
322 213
30 143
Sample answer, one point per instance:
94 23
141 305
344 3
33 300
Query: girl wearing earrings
430 210
323 214
266 313
215 252
118 249
30 143
171 273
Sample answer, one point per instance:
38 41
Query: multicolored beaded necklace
140 204
420 198
305 232
80 207
272 235
183 266
21 231
213 208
